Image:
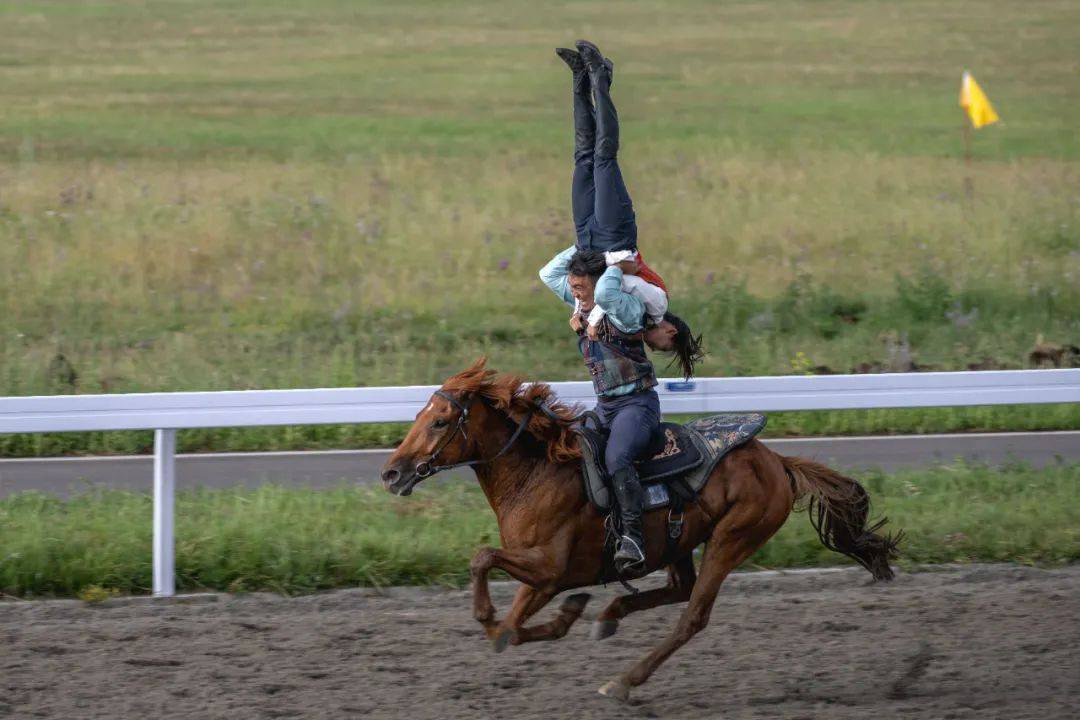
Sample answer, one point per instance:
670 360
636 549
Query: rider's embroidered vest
616 360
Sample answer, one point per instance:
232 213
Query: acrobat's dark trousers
603 213
634 421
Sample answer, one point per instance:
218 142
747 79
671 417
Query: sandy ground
971 642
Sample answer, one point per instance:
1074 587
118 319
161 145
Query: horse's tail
839 508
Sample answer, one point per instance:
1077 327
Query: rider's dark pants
634 421
603 214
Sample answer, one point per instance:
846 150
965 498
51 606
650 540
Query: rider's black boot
630 555
600 71
584 117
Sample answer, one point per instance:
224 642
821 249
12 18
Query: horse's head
441 436
475 418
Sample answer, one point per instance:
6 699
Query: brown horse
528 464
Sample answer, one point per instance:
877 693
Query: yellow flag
975 102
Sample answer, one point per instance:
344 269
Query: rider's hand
576 323
629 267
594 332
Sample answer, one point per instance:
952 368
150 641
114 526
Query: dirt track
975 642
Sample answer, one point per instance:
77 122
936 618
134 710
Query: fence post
164 495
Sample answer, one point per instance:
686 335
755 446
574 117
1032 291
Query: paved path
329 468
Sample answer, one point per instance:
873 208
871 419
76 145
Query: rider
622 376
614 350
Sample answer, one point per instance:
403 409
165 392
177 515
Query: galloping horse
519 441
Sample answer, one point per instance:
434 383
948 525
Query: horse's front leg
483 610
529 566
569 612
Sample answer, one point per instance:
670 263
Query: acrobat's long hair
688 350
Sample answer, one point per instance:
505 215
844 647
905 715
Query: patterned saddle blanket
689 456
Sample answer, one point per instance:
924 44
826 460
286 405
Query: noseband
427 468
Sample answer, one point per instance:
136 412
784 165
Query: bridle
427 468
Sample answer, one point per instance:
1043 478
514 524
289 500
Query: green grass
188 79
203 196
290 540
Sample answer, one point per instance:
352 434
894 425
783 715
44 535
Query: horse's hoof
603 629
500 641
616 689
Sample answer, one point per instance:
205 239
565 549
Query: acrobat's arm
557 277
622 308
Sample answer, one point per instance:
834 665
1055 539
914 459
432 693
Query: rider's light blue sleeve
622 308
556 277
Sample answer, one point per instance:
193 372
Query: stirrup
628 560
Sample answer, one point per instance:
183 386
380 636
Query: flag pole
969 191
969 182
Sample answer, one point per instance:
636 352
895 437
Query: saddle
676 474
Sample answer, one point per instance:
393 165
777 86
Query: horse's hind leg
681 579
720 559
758 496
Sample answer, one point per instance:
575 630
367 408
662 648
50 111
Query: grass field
290 540
237 195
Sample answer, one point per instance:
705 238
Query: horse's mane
510 394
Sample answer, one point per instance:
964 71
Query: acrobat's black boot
573 60
584 117
630 555
577 65
600 71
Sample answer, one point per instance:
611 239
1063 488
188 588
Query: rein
427 468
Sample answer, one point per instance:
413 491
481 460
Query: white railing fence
165 413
